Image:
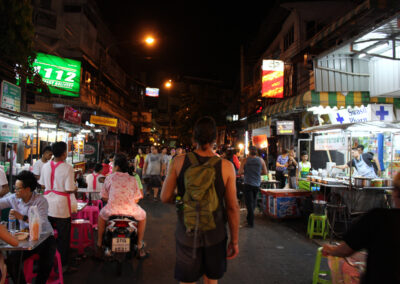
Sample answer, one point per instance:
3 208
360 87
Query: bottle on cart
179 203
12 224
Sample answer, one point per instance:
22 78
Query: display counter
282 203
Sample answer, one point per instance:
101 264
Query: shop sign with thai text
9 133
72 115
101 120
330 142
10 96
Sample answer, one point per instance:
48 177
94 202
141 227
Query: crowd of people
200 174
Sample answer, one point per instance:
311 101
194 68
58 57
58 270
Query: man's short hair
59 148
205 131
98 168
47 149
360 147
9 146
303 153
354 148
28 179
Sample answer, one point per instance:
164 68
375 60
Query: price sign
62 75
10 96
330 142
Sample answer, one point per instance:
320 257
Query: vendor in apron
304 169
362 163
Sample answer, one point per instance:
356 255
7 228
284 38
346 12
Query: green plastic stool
317 226
317 274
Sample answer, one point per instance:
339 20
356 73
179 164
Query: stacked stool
81 235
317 226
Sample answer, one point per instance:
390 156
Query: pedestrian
304 169
362 163
281 168
111 164
292 169
165 159
95 181
139 162
179 151
122 193
378 232
204 254
152 169
230 156
3 183
252 167
46 156
58 180
20 202
12 157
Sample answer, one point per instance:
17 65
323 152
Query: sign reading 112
49 71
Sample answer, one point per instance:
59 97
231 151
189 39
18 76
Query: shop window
288 40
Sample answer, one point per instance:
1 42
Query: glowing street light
168 84
150 40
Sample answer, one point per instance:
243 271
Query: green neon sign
62 75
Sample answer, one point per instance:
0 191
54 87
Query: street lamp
150 40
168 84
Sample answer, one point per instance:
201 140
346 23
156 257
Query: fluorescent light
11 121
246 143
27 120
97 130
80 136
27 131
85 131
362 55
48 125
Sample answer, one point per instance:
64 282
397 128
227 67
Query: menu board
285 127
330 142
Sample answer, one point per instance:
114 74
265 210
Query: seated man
379 233
20 202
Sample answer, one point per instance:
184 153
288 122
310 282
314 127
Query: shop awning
381 100
312 98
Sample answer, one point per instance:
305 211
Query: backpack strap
213 161
192 158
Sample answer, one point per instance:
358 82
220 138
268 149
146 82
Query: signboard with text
72 115
62 75
330 142
9 133
101 120
272 78
152 92
285 127
10 96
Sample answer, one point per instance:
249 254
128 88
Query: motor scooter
120 240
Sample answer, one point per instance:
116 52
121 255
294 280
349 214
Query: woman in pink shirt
122 194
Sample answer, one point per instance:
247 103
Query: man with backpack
206 201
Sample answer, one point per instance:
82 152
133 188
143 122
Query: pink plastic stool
98 203
54 278
91 213
82 240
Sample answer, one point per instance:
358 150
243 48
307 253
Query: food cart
382 139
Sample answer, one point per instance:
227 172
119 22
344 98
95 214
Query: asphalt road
271 252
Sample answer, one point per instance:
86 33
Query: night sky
196 38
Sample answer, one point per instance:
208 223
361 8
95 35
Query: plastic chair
81 239
317 274
91 213
97 203
56 275
317 226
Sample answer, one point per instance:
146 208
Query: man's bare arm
342 250
264 170
168 189
144 168
232 207
241 169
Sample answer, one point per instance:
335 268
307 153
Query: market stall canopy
379 126
312 98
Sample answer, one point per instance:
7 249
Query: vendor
281 168
374 161
304 169
362 163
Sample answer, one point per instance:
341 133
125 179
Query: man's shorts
155 181
209 261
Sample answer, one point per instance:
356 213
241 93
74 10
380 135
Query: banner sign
62 75
372 112
330 142
272 78
285 127
152 92
91 151
382 112
107 121
72 115
10 96
9 133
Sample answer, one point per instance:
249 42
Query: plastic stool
55 277
82 240
97 203
317 226
317 274
91 213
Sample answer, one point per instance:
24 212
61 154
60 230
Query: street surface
271 252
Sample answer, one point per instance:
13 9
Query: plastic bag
35 227
74 203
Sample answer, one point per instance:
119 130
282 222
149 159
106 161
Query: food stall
358 193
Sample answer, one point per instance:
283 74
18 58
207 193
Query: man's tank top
252 171
208 238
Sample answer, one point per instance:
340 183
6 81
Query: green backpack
200 199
